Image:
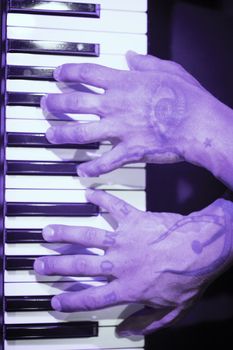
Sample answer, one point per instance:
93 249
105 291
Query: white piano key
56 154
107 317
20 114
135 198
59 154
107 339
23 85
122 178
109 21
25 114
32 126
27 276
110 316
48 249
26 59
35 126
18 289
139 5
110 43
103 221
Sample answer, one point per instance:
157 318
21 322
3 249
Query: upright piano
38 181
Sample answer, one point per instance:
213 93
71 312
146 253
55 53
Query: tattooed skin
197 247
170 111
161 260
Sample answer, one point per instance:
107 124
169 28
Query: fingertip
131 53
39 266
43 102
50 135
56 304
89 193
57 73
48 233
81 172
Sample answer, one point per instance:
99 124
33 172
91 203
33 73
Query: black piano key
26 139
24 235
55 8
32 73
24 98
51 209
20 263
19 167
51 330
28 303
53 47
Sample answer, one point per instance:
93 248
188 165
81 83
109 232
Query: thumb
136 61
141 321
148 320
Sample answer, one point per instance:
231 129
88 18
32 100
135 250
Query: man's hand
161 260
143 112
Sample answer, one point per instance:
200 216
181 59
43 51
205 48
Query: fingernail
81 173
48 232
43 102
56 304
39 266
56 73
50 134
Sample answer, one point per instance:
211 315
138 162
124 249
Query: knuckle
50 265
102 167
82 133
90 235
71 100
136 152
85 72
90 302
79 265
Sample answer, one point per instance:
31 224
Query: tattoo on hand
110 298
169 111
106 266
225 229
207 143
110 239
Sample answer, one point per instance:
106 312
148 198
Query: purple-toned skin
157 113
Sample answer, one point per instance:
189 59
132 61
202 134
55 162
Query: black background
198 35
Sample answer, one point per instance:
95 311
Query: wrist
209 140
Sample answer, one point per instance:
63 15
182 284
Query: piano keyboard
39 183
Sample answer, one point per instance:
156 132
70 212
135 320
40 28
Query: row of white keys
110 43
109 21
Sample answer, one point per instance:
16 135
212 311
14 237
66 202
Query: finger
87 73
147 320
108 161
87 236
74 265
80 133
119 209
142 62
148 62
73 102
93 298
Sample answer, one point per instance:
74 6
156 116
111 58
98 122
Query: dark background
199 35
